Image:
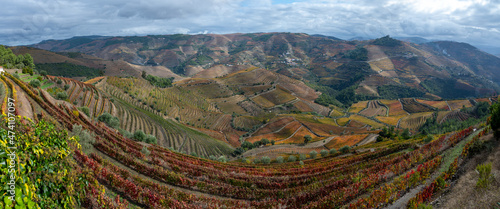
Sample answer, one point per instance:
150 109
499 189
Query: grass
342 121
452 153
367 121
357 107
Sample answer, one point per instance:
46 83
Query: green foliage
280 159
61 95
333 151
111 121
212 157
292 158
127 134
69 70
193 154
396 92
302 157
150 139
43 73
222 159
406 134
59 81
301 163
307 139
264 141
265 160
145 151
158 81
35 83
446 88
85 110
139 135
495 119
262 38
424 206
324 153
86 138
485 176
247 145
386 41
432 126
345 149
9 60
313 154
428 139
66 87
359 54
45 153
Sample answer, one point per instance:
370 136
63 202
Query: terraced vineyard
375 108
412 106
414 121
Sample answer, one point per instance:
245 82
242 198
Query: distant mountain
345 71
329 37
416 40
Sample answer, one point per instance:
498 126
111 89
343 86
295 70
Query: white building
1 69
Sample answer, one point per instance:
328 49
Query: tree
150 139
333 151
272 142
292 158
307 139
35 83
61 95
279 159
265 160
345 149
264 141
66 86
405 134
145 151
313 154
247 145
302 157
139 135
324 153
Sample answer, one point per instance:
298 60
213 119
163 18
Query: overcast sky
31 21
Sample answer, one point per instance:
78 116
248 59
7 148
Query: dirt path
23 104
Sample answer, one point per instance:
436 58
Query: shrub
35 83
43 72
345 149
211 157
66 86
110 120
222 158
84 110
256 160
129 135
59 81
16 75
145 151
485 176
292 158
266 160
307 139
301 163
150 139
193 154
264 141
279 159
139 135
86 138
324 153
333 151
247 145
313 154
428 139
61 95
302 157
272 142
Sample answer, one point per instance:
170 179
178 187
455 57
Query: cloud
30 21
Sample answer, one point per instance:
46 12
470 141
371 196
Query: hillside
371 67
105 169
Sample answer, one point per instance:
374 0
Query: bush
324 153
256 161
110 120
345 149
247 145
66 87
222 158
333 151
485 176
266 160
139 135
86 139
127 134
43 73
59 81
193 154
145 151
61 95
292 158
84 110
35 83
301 163
211 157
307 139
302 157
264 141
16 75
313 154
279 159
150 139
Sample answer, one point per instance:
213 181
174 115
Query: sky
476 22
